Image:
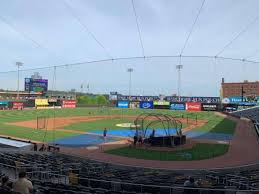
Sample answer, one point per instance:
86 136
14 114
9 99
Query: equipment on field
171 127
41 122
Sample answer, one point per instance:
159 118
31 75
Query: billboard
41 102
17 105
192 99
193 106
123 104
134 104
246 101
35 85
177 106
138 98
4 104
164 103
146 105
69 104
209 107
161 104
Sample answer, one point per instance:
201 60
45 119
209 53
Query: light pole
18 64
179 67
130 70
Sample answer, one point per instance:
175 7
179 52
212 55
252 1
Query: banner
193 106
17 105
137 98
209 107
134 105
123 104
163 103
246 101
192 99
3 103
41 102
177 106
146 105
48 107
69 104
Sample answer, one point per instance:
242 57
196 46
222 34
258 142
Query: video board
35 85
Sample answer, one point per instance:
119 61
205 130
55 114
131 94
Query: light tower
18 64
130 70
179 67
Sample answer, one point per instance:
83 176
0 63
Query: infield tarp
84 140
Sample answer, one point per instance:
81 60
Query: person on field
104 135
22 185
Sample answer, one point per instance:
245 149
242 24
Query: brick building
251 89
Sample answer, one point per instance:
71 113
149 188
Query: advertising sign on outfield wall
193 106
69 104
137 98
123 104
17 105
193 99
161 103
134 105
41 102
177 106
209 107
146 105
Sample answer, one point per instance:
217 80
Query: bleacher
252 114
56 173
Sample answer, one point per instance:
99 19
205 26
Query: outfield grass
106 123
200 151
28 133
218 125
100 124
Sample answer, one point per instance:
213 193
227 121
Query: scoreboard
35 85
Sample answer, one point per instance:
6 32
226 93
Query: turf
200 151
218 125
105 123
100 124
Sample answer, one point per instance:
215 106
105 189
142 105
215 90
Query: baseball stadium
147 97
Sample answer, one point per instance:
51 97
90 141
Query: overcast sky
47 33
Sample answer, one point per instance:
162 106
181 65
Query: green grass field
199 151
215 123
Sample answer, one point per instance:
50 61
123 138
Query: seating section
252 114
57 173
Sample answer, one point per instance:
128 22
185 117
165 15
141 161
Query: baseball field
68 123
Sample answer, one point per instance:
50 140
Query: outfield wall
39 103
185 106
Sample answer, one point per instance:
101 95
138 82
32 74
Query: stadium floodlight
179 67
130 70
18 64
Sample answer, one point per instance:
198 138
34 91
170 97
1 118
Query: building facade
250 89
